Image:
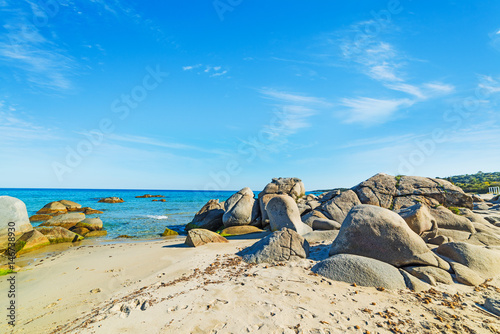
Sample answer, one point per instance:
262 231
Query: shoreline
48 251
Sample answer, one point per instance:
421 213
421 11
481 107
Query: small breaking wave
157 217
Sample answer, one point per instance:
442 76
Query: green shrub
455 210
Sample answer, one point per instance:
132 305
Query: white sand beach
165 287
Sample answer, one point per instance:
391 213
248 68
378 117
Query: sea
136 217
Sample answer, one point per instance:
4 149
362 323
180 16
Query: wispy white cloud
212 71
218 74
37 53
370 111
159 143
375 141
16 129
190 67
407 88
292 98
377 59
488 84
436 88
424 91
40 61
382 62
290 120
292 114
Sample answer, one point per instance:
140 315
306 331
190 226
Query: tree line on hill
475 183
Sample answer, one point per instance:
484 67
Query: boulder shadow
250 236
319 252
177 246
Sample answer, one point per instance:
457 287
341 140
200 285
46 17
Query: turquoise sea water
139 217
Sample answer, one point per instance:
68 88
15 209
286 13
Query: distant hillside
475 183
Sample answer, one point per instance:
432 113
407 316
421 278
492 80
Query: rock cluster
275 207
388 231
60 208
62 221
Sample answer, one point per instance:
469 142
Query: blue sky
226 94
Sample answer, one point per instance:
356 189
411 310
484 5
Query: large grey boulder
29 241
430 275
13 210
378 190
484 239
318 221
485 262
91 224
263 200
446 219
70 205
326 196
66 220
209 217
282 245
325 224
198 237
473 217
240 209
414 283
337 208
283 212
240 230
310 217
382 234
53 208
454 235
57 234
418 218
404 191
290 186
465 275
440 190
361 270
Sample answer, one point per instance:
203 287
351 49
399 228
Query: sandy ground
164 287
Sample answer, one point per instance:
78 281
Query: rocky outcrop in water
111 200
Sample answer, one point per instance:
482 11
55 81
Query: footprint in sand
125 311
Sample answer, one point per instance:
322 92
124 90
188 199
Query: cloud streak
212 71
155 142
382 62
40 61
369 111
15 129
292 113
291 98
